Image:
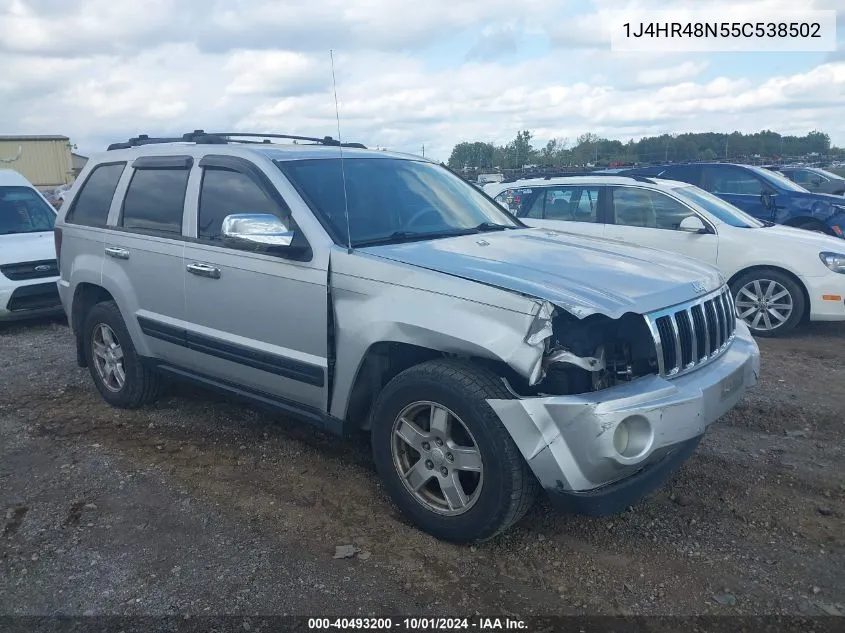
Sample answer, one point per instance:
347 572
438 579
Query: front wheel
770 302
446 459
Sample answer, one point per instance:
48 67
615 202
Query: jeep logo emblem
699 286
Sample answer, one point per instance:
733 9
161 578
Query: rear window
93 202
155 201
22 210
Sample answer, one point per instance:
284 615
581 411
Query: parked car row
762 193
780 276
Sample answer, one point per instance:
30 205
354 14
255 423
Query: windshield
777 179
826 174
393 200
717 207
22 210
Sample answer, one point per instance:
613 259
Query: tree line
592 149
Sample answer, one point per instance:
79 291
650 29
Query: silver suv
369 291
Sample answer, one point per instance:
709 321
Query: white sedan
780 276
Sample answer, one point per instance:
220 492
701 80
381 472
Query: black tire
799 303
142 385
509 487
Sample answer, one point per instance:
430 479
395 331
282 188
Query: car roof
12 178
272 151
612 180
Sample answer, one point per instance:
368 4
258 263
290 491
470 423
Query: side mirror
257 229
768 199
692 224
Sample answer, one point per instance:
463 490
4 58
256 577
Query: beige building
43 160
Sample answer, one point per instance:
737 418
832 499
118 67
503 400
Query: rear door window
155 201
572 204
92 203
634 206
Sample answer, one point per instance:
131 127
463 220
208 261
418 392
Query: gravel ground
202 505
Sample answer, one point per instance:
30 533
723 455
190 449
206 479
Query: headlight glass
834 261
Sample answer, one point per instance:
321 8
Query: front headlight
834 261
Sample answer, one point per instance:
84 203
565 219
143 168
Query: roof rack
201 137
638 178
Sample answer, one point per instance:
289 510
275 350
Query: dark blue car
765 194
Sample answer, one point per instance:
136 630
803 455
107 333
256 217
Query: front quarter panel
425 309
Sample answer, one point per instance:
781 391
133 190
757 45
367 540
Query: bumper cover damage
599 452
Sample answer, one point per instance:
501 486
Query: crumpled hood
26 247
582 275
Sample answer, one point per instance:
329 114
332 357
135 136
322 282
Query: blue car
764 194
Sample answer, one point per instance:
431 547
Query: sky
410 75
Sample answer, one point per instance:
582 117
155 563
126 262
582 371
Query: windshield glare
778 179
825 173
22 210
389 196
715 206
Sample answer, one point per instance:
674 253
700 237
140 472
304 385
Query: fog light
620 438
633 436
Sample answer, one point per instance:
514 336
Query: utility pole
726 147
423 150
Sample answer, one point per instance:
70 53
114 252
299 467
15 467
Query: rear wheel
446 460
119 375
770 302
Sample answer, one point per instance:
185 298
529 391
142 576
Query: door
740 187
571 208
646 217
143 263
255 319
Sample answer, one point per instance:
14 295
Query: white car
780 276
28 269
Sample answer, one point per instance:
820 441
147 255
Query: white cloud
100 71
673 74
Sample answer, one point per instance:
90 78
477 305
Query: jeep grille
692 334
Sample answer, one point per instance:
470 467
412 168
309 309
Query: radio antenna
342 170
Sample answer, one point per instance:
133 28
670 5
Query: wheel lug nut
429 464
426 446
450 457
444 471
438 441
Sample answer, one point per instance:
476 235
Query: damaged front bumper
599 452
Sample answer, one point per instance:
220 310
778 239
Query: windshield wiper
491 226
398 237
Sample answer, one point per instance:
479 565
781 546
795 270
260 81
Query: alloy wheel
437 458
108 357
764 304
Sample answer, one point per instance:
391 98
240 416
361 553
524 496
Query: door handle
204 270
117 252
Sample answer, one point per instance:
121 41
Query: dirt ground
202 505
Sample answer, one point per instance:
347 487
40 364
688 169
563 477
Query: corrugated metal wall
45 163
